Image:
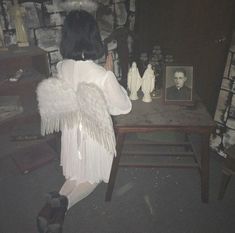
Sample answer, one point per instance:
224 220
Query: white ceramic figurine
134 81
148 83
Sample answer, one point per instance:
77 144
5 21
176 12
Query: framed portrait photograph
178 84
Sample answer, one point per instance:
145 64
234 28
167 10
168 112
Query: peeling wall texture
44 21
224 136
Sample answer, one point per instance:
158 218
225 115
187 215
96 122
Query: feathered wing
60 105
94 115
57 104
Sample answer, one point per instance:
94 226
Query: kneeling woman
87 139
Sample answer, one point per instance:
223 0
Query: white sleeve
116 96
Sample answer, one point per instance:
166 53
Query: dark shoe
57 221
44 217
57 200
51 218
45 214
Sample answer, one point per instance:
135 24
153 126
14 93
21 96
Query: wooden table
158 117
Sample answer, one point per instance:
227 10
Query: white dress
82 158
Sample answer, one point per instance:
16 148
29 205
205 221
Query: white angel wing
60 105
94 115
57 104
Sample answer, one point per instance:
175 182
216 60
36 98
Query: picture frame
178 84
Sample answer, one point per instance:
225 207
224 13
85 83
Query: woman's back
81 71
75 72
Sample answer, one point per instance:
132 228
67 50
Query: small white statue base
134 81
148 84
147 98
133 96
23 44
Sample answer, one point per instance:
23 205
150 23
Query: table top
21 51
158 114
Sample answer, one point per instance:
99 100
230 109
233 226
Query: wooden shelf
21 58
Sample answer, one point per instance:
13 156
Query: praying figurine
17 12
148 83
134 81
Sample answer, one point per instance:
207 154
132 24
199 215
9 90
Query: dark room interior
178 158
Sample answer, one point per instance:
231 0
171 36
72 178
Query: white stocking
76 192
67 187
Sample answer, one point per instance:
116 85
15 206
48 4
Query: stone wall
44 19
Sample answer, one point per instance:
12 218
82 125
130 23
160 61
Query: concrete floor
145 200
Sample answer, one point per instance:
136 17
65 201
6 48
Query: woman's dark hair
81 38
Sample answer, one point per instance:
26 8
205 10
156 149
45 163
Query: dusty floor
145 200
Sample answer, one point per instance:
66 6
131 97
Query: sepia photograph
178 84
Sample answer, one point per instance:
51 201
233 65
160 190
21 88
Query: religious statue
148 83
17 12
134 81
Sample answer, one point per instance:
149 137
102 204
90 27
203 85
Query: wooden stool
228 170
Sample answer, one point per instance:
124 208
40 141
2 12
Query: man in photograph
179 91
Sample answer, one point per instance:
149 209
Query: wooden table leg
113 174
205 168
